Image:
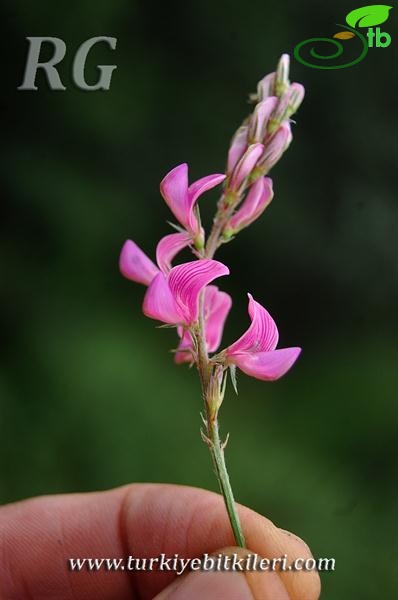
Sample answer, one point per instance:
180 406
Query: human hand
38 536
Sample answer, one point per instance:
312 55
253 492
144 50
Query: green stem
217 452
212 399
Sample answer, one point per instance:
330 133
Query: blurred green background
90 397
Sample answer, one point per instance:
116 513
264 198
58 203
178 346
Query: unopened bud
256 201
260 118
277 145
282 75
297 93
245 166
287 106
266 87
237 148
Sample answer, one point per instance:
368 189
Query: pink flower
216 307
254 352
245 166
135 265
181 197
174 298
256 201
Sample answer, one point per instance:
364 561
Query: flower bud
288 105
297 93
277 145
245 166
237 148
282 75
266 87
260 118
256 201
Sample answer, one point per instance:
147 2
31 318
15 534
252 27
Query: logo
33 64
366 17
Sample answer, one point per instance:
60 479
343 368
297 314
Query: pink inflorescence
185 296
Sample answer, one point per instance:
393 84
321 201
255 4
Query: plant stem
217 452
212 396
224 212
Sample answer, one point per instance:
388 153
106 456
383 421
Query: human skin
38 535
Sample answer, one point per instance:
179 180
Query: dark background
90 397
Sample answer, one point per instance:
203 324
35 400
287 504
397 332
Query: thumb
234 585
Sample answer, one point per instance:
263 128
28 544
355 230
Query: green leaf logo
368 16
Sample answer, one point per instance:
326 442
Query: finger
142 519
191 522
226 584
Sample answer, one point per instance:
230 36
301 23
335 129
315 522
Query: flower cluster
185 296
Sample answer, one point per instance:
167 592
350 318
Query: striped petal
159 303
169 247
267 366
262 335
134 264
187 280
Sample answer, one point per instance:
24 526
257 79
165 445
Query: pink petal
267 366
256 201
135 264
237 148
261 336
168 247
260 118
174 189
245 165
216 308
195 190
187 280
159 303
204 184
